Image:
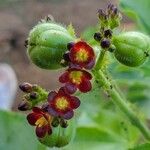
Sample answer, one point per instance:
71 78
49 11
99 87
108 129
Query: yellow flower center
41 122
82 55
76 77
62 103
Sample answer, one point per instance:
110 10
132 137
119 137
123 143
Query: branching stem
117 99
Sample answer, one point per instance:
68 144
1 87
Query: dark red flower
82 54
76 78
42 121
62 104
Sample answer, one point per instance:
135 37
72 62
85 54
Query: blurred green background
101 126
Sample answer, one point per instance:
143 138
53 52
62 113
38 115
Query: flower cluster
109 19
60 104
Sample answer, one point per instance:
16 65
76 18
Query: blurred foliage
16 134
142 147
138 10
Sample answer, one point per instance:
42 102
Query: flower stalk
120 102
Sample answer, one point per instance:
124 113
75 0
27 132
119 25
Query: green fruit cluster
132 48
47 42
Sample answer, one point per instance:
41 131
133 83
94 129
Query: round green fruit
60 137
132 48
47 42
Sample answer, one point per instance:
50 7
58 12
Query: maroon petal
51 96
68 115
63 78
90 65
49 129
52 112
61 91
87 75
32 118
70 88
85 86
75 102
37 110
41 131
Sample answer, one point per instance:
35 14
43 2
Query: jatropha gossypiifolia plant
52 46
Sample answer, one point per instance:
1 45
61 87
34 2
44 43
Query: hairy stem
122 104
117 99
100 60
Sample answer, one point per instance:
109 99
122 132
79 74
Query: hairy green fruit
60 136
132 48
47 42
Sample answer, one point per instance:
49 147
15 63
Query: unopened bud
26 87
55 122
33 95
101 14
108 33
70 45
63 123
98 36
24 105
105 43
66 57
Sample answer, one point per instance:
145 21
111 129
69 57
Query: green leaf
16 134
139 11
93 138
142 147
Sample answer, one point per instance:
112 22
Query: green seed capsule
47 43
132 48
60 136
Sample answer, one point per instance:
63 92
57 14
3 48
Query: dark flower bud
63 63
66 57
26 43
26 87
63 123
24 105
55 122
33 95
101 14
108 33
114 13
105 43
70 45
98 36
110 6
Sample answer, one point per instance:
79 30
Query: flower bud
55 122
105 43
101 14
98 36
26 87
108 33
33 95
131 48
66 57
25 105
63 123
70 45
